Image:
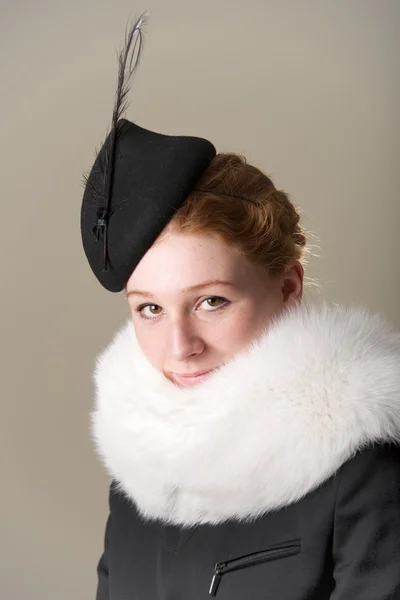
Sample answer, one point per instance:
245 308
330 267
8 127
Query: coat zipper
252 559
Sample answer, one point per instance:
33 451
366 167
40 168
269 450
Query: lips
193 374
191 379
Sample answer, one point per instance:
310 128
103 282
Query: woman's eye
214 302
148 311
151 311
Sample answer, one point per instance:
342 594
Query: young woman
251 439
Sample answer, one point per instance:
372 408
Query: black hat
138 181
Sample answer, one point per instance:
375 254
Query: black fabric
152 176
346 536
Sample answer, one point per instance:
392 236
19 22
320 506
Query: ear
292 283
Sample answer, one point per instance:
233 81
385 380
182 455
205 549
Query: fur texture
261 432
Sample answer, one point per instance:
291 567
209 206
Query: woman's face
196 302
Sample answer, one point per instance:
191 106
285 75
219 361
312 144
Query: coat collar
263 431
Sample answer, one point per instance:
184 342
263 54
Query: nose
184 340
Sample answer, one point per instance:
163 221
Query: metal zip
215 580
235 564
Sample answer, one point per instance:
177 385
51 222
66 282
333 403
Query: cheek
238 335
149 342
246 326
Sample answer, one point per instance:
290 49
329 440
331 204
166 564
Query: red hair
243 208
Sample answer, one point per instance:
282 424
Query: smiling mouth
190 379
198 374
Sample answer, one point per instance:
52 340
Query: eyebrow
190 288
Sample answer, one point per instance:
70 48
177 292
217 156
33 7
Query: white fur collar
260 433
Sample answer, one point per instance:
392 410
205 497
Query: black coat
339 542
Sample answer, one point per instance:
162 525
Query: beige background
307 90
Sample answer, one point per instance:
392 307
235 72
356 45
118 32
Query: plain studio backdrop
308 90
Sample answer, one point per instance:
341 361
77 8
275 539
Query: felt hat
138 181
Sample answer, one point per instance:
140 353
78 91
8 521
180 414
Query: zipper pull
214 584
216 579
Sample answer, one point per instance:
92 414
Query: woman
251 439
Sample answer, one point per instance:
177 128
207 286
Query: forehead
181 260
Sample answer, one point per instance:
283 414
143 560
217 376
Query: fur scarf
258 434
